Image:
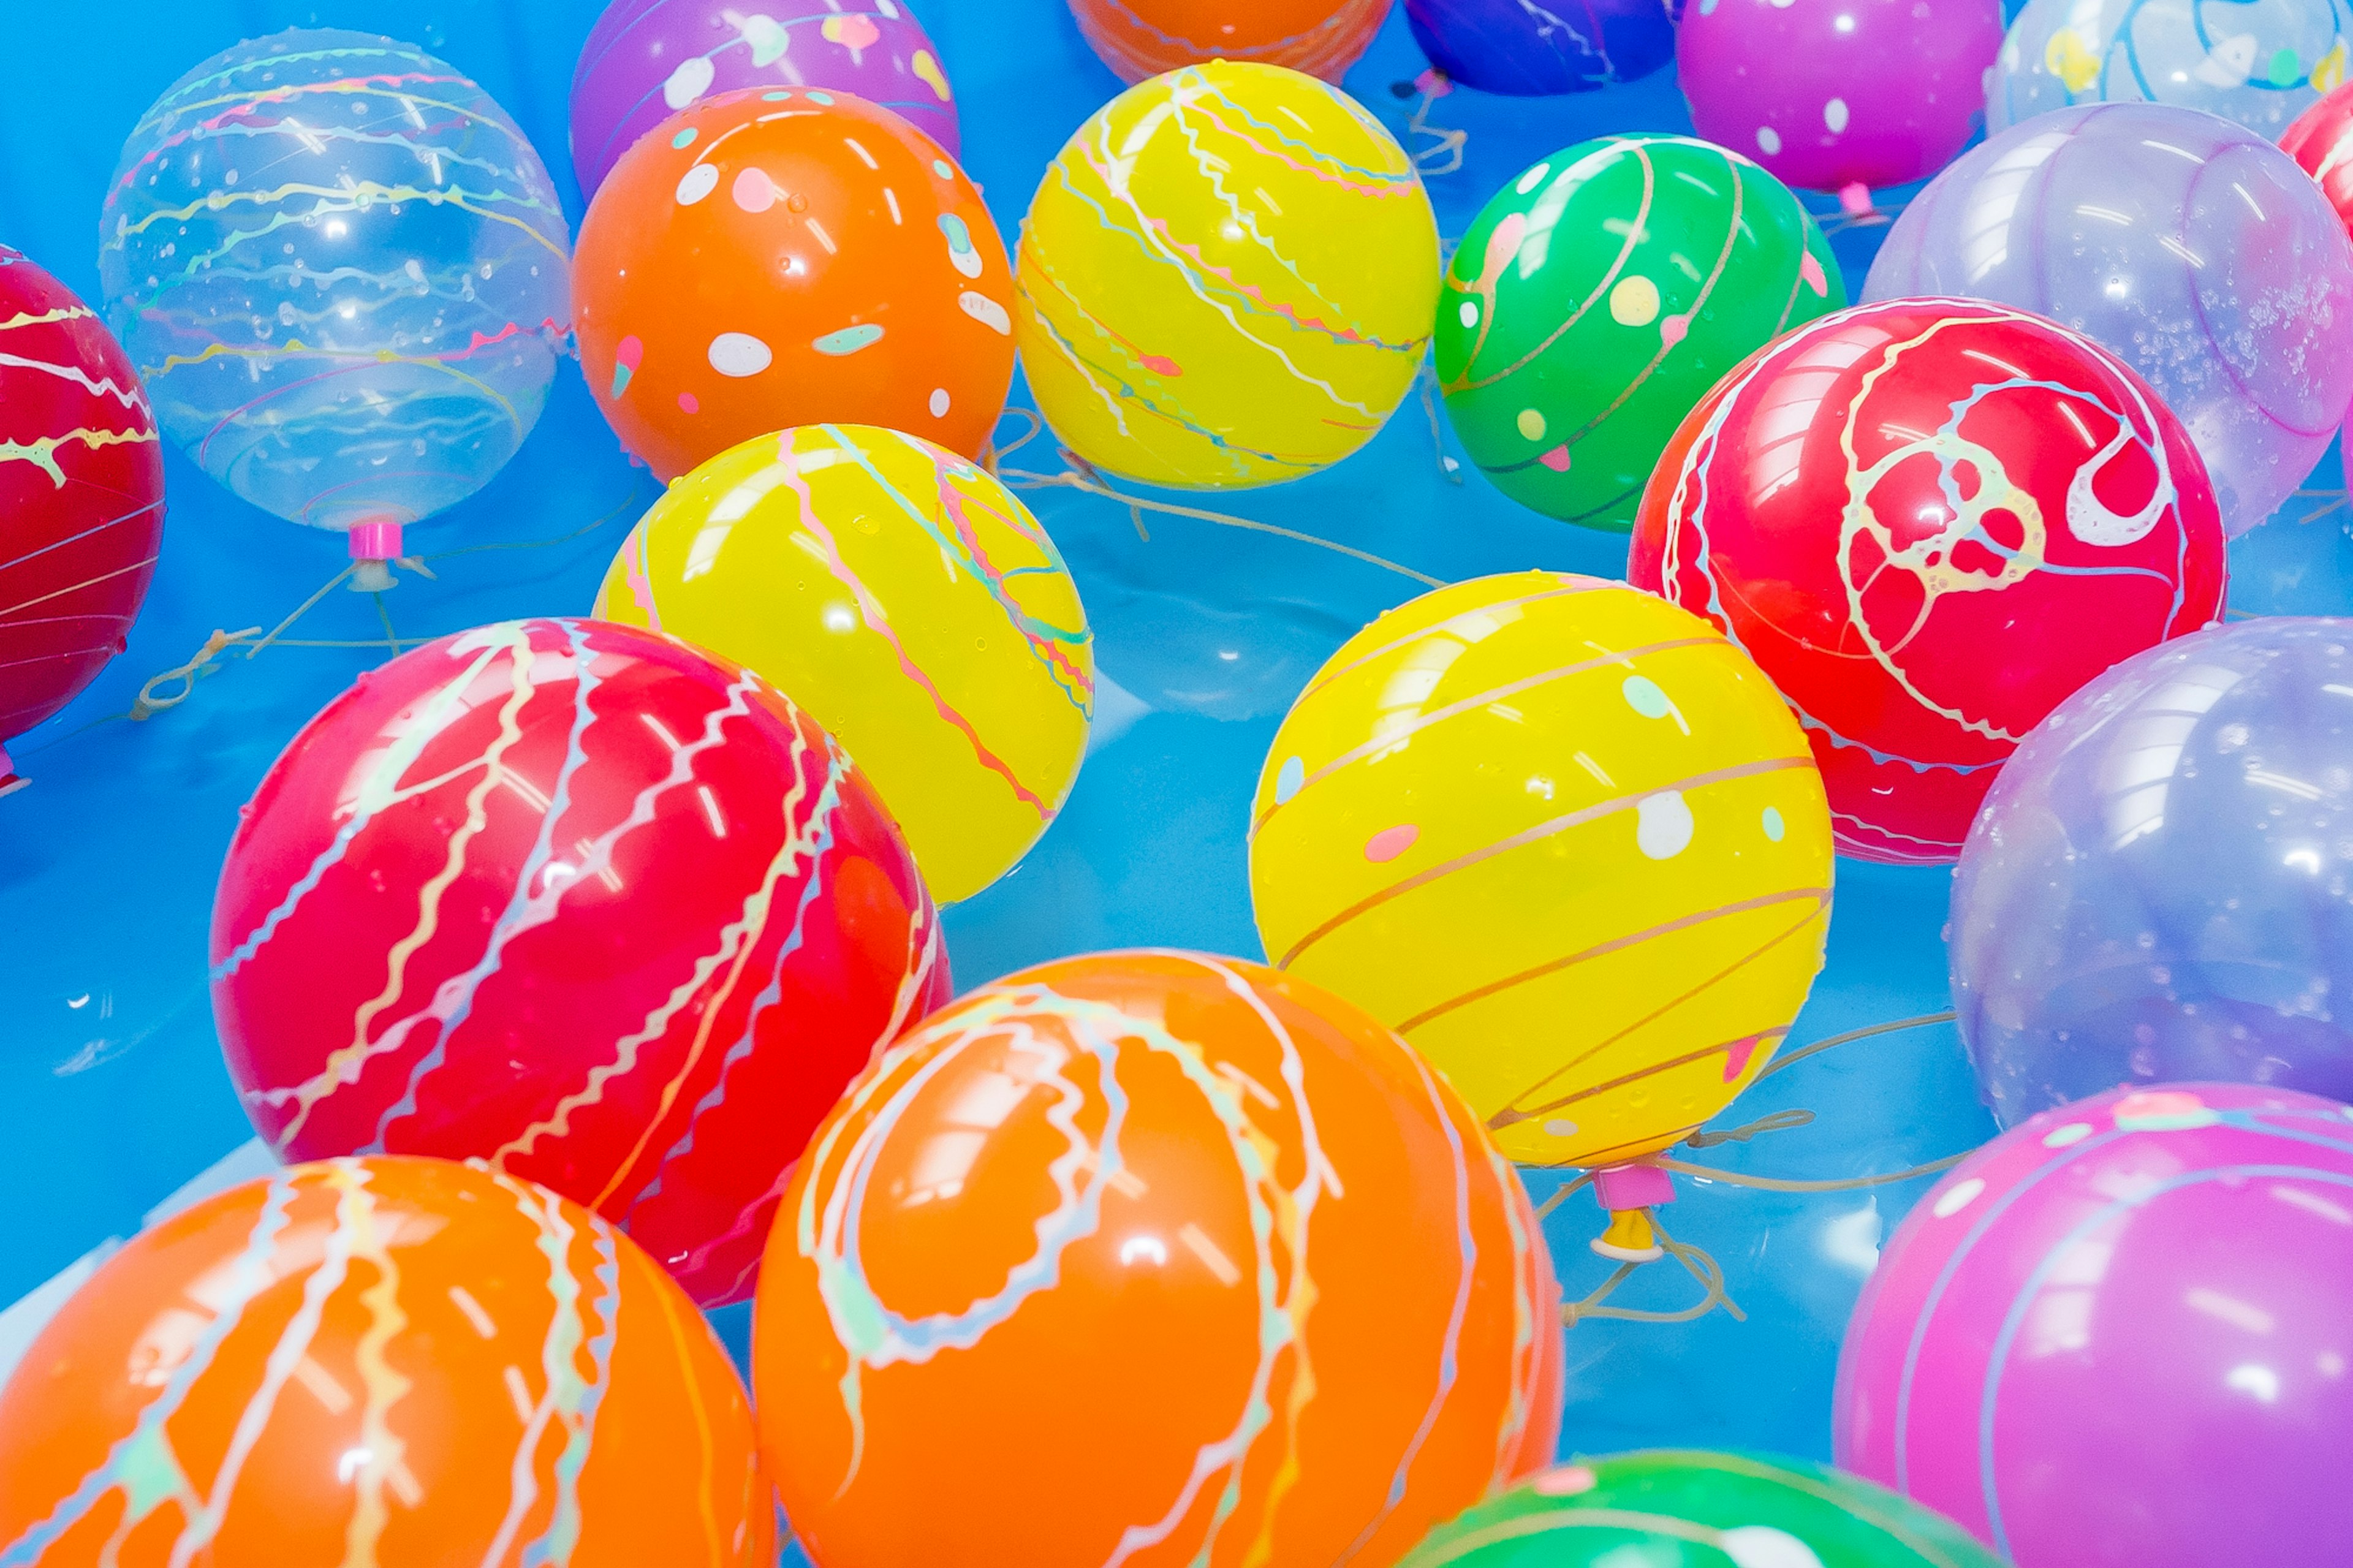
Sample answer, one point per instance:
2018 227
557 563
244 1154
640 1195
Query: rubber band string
1083 477
1444 149
1695 1261
170 687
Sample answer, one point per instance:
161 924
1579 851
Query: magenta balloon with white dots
1832 94
2120 1335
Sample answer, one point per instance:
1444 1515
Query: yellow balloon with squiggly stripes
1227 279
1565 837
904 598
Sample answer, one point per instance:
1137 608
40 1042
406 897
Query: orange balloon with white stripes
395 1361
1565 838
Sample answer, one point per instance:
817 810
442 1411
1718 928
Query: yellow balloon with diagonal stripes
1565 837
1227 279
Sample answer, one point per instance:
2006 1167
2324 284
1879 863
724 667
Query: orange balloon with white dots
771 258
394 1361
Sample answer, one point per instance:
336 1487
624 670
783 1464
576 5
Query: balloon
1207 301
1833 93
574 900
2191 248
1598 298
81 498
1532 51
943 642
2321 142
776 259
2117 1335
396 1361
1184 1261
645 60
341 268
1140 38
1564 839
2259 62
2090 941
1673 1508
1874 508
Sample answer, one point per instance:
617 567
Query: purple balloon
2120 1335
2187 245
1534 49
2160 885
1831 93
646 60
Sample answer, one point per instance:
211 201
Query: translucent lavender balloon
2191 246
2259 62
2160 885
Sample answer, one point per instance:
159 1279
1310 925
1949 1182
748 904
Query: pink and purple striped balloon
646 60
2121 1334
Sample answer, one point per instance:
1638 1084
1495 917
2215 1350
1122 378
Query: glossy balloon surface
81 495
1598 298
572 898
1530 50
646 60
2259 62
2320 140
2160 887
1226 279
1673 1508
342 271
1930 522
909 601
1186 1261
1140 38
2115 1337
1564 839
408 1362
2193 250
775 258
1829 93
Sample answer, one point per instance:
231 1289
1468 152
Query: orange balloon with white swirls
1151 1258
1138 39
389 1361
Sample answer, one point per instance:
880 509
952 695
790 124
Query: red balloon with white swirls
577 900
81 495
1931 520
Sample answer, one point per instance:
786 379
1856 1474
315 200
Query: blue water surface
111 1093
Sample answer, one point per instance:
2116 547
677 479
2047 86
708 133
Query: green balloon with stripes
1671 1508
1600 296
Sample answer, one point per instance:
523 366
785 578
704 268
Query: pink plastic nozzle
377 540
1637 1186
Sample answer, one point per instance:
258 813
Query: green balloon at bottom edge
1600 296
1686 1509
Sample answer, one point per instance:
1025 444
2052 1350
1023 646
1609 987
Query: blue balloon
2159 887
343 274
1534 49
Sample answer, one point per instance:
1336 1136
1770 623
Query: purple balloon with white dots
1832 94
646 60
